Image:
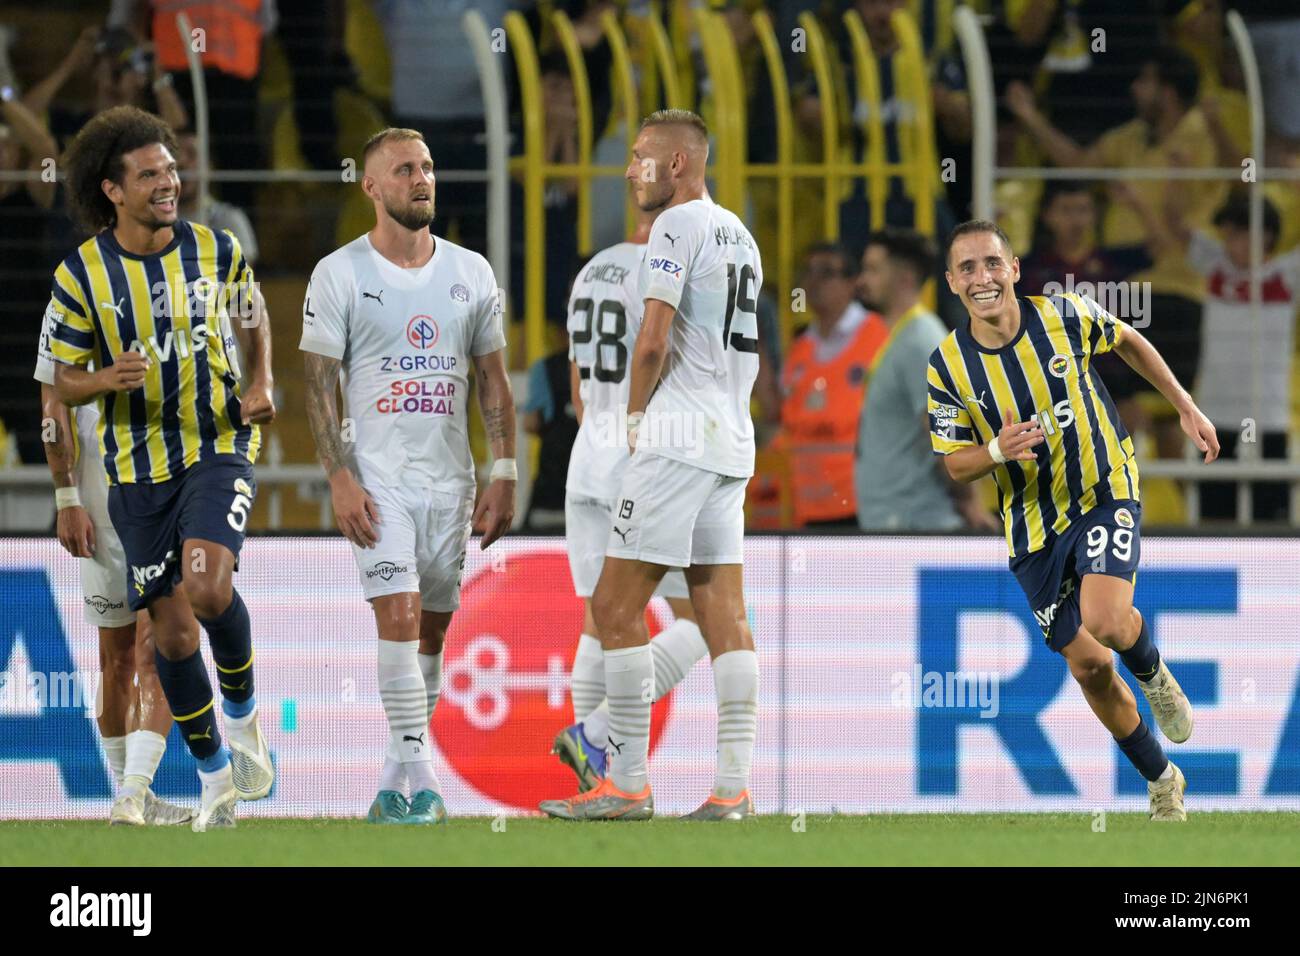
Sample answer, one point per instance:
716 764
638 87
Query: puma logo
206 735
972 400
114 308
672 239
618 748
243 685
378 298
621 533
414 740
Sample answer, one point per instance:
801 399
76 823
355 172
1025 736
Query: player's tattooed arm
75 530
497 403
495 510
60 449
321 379
354 509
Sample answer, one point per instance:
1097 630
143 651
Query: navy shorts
1106 540
210 500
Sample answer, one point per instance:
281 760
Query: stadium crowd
1104 84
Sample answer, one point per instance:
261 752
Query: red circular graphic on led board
505 686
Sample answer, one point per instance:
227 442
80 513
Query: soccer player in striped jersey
148 299
1014 393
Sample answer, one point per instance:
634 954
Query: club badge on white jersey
406 339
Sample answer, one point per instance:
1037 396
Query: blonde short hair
396 134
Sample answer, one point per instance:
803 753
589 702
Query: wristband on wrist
504 468
67 498
996 452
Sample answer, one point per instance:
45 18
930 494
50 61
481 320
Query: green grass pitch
1207 839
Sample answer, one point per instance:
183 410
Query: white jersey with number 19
703 261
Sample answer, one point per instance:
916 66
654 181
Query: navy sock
189 695
1143 750
231 637
1142 659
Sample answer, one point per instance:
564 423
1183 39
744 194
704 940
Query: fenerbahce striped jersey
1045 372
175 307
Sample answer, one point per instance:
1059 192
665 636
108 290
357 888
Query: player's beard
410 217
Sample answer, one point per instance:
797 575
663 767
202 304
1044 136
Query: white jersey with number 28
604 318
703 261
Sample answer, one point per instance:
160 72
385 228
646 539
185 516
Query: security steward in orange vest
824 383
227 35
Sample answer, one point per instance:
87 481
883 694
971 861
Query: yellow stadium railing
661 55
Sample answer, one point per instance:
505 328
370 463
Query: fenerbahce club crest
1059 365
1123 518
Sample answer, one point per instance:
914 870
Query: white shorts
422 539
586 535
676 514
103 579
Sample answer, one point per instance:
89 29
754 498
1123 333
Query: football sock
144 751
188 691
1145 753
595 726
587 680
393 776
676 649
431 669
115 751
1142 659
216 780
735 675
401 689
629 683
231 637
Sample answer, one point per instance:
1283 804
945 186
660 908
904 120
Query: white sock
629 683
215 782
243 729
1168 772
115 751
595 726
676 649
401 689
144 751
431 670
735 675
587 680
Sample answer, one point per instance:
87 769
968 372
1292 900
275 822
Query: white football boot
1169 704
250 760
1167 798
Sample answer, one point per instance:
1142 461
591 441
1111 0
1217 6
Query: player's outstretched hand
257 404
126 373
1201 431
1017 439
495 511
354 509
76 532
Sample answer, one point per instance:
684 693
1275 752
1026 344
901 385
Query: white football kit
604 318
103 577
406 339
682 498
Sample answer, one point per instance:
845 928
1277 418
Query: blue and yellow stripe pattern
175 306
1045 372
